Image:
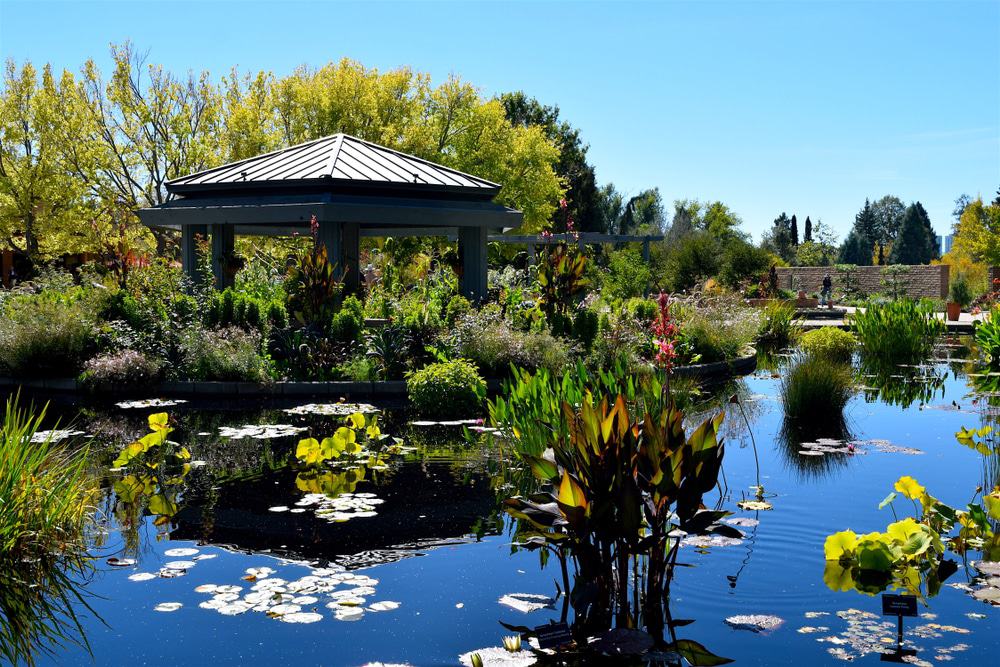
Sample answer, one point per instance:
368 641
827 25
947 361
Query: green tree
978 232
608 208
888 215
686 213
913 244
820 250
643 214
855 250
722 223
779 238
795 230
581 186
809 231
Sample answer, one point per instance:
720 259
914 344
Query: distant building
945 243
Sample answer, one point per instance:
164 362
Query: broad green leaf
158 421
698 655
356 420
571 493
887 501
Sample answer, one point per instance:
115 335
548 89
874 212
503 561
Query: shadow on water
813 452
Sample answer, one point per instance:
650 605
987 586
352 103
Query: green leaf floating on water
696 654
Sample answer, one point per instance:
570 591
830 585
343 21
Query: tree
795 230
608 208
912 245
809 230
686 212
572 166
643 214
820 250
933 246
978 233
888 214
779 239
855 250
961 203
722 223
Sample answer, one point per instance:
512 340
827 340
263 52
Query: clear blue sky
805 107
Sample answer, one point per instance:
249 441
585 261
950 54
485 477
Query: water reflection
902 385
40 603
796 442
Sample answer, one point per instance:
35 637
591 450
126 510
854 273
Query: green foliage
643 310
387 349
493 345
447 389
120 370
988 337
694 259
717 329
909 554
585 326
313 288
627 274
829 343
815 392
224 354
960 292
613 478
349 321
234 308
458 306
916 241
42 336
560 279
894 279
359 437
742 261
778 326
895 332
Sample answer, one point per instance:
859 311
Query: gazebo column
343 247
223 247
472 250
189 250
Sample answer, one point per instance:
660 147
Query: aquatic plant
829 343
815 393
909 554
988 337
446 389
778 326
620 482
895 332
359 433
313 287
48 504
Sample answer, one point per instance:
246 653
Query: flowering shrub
664 332
125 368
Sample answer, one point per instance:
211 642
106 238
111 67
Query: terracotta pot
954 310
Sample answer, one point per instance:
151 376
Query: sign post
898 606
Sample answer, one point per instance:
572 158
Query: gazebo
354 188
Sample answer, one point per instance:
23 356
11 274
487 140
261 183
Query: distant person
826 296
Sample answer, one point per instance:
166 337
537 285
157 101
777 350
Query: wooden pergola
354 188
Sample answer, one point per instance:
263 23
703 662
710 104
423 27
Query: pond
412 561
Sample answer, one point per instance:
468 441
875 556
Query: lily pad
302 617
755 622
180 552
384 605
142 576
121 562
150 403
168 606
754 505
527 602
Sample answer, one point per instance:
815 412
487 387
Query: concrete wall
929 281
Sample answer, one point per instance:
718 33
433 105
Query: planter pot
954 311
806 302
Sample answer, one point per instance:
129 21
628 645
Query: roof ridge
236 163
407 156
331 163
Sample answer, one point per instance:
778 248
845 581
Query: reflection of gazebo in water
353 187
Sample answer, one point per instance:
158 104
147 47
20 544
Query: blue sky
805 107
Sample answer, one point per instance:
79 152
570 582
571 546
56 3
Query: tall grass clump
46 505
717 328
815 393
829 343
897 331
778 327
988 337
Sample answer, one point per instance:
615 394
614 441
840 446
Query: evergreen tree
933 247
779 239
795 230
809 230
855 250
912 244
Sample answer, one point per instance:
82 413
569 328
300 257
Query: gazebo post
472 250
223 246
189 250
350 253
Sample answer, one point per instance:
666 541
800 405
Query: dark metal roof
339 159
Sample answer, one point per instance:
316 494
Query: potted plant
960 297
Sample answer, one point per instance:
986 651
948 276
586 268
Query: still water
430 543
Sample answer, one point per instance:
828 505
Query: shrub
585 326
43 337
232 308
358 369
960 291
829 343
125 368
896 331
627 275
988 337
230 354
493 346
346 326
778 327
815 392
448 389
643 310
457 307
742 261
718 329
695 258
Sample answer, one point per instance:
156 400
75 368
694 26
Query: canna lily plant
617 494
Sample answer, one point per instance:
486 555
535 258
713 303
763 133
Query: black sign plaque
553 635
899 605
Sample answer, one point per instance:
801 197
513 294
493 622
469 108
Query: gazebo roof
335 162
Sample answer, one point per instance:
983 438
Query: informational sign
899 605
553 635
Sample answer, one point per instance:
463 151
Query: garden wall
929 281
